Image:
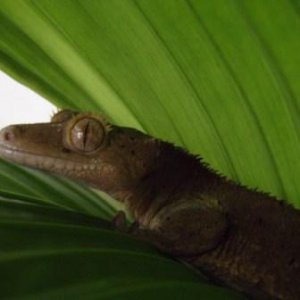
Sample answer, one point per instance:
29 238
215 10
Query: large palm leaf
217 77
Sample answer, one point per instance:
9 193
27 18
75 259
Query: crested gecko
243 238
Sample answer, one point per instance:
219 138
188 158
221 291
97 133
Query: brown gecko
240 237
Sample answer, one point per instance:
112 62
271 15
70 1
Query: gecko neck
177 175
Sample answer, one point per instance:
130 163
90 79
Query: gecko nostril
8 136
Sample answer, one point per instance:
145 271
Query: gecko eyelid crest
62 116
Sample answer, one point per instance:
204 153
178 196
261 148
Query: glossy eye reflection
87 134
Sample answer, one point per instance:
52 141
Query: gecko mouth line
41 161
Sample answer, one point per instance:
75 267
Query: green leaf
27 210
212 76
220 78
48 253
16 181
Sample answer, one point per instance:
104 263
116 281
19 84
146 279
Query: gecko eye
63 116
87 134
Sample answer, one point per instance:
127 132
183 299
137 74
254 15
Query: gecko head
84 147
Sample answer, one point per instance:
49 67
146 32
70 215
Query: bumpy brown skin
242 238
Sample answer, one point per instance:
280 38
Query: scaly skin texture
240 237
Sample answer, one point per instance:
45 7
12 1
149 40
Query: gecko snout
8 134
